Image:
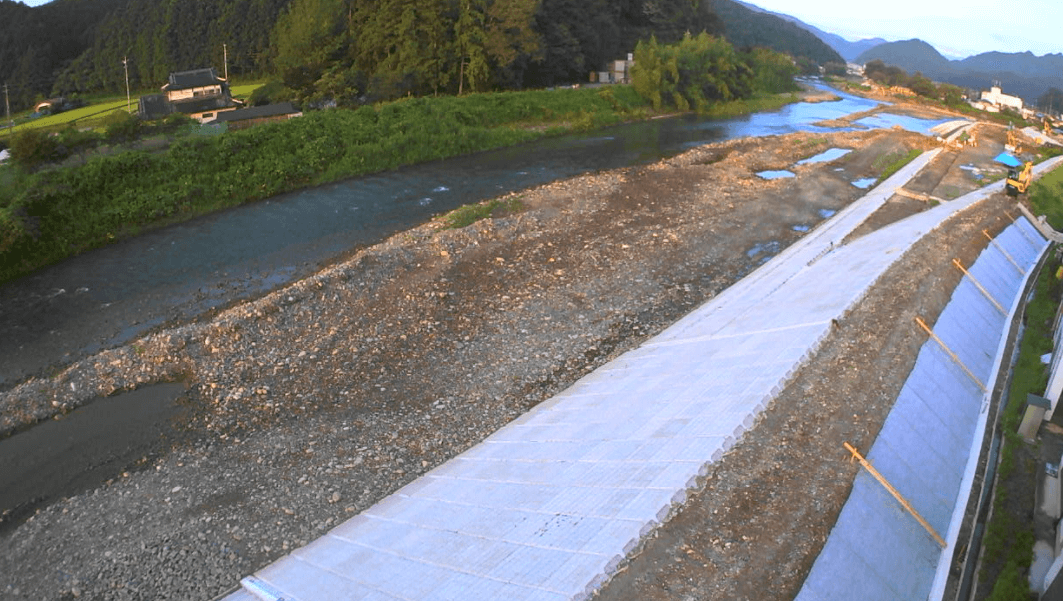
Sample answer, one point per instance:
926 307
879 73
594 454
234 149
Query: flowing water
113 295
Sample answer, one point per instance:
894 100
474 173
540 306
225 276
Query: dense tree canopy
701 70
389 48
163 36
37 43
347 51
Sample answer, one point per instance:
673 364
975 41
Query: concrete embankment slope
928 448
547 507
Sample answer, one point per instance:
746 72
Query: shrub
74 139
470 214
1011 585
270 93
121 126
32 148
175 121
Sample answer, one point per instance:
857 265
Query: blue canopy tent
1008 160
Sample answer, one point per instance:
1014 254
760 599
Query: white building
1001 100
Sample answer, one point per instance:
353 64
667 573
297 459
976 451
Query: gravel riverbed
310 404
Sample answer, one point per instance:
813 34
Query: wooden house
199 93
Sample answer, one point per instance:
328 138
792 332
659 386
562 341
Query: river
110 296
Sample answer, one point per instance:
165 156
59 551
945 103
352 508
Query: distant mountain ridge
848 50
748 25
1021 73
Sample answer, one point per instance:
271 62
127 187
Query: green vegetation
66 48
95 114
52 214
894 162
703 70
348 51
354 52
470 214
1046 197
757 104
1009 538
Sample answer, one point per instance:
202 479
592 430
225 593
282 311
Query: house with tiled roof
199 94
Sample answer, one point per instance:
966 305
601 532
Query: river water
112 295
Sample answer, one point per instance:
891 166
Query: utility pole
7 104
125 63
225 53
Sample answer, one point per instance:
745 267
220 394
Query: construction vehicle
1014 145
1018 182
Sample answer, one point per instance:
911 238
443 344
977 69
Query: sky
956 28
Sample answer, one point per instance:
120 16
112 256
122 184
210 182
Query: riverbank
315 401
61 212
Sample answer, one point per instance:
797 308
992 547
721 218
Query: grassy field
1046 197
92 114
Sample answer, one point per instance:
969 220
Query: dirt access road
309 405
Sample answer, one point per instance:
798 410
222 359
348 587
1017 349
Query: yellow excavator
1018 182
1014 145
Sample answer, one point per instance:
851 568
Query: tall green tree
306 40
471 35
704 69
511 40
648 73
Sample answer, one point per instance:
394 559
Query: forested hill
162 36
35 43
360 48
746 27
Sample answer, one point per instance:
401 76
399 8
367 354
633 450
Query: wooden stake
1003 252
896 495
951 354
974 281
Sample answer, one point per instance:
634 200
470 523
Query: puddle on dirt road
976 172
801 228
827 213
764 251
864 183
775 174
826 156
89 445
